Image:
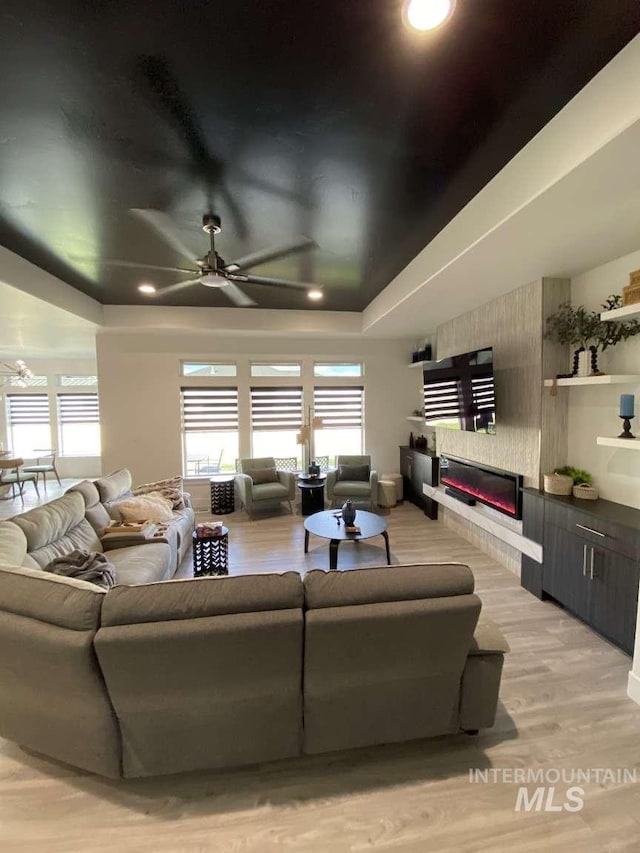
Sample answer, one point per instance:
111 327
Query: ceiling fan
212 270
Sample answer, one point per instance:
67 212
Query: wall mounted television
459 392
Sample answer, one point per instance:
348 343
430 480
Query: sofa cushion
352 488
13 544
66 602
397 583
153 507
94 510
114 485
354 473
200 597
170 488
270 491
263 475
142 563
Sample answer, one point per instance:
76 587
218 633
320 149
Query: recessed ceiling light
146 288
428 14
315 293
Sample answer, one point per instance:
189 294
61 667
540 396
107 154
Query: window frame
62 420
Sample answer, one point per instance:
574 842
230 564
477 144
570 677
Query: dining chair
42 466
12 474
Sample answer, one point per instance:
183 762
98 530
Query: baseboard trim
633 687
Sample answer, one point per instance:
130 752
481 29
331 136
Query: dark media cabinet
591 560
417 468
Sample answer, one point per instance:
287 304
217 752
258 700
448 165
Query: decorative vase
348 513
581 362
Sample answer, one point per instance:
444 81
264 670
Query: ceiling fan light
146 288
212 279
315 294
423 15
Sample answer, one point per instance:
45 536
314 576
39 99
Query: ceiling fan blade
261 257
237 296
109 262
174 288
163 226
273 282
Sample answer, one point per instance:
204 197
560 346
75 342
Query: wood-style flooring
563 706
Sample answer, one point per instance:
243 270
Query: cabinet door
614 595
565 572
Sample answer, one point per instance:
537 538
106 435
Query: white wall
594 411
139 379
68 466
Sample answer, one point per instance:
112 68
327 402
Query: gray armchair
339 489
259 487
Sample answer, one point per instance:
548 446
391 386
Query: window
77 380
280 370
276 419
209 429
29 425
341 410
336 370
206 368
79 424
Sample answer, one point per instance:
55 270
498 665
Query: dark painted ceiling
285 117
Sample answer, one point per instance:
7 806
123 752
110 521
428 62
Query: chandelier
16 374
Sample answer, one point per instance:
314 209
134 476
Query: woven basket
558 484
585 492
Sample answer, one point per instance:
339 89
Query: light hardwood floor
563 705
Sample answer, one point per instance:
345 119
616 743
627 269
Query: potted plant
584 330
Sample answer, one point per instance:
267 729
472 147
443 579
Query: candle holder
626 427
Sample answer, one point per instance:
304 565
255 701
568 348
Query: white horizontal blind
209 409
28 409
78 409
441 400
482 388
276 408
339 407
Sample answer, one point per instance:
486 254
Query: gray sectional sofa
218 672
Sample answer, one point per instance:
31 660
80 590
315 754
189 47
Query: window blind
340 407
276 408
28 409
209 409
78 409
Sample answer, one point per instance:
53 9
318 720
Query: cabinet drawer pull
584 561
591 567
591 530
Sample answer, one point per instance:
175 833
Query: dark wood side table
211 554
222 494
312 492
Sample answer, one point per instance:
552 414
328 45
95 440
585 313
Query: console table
419 468
591 560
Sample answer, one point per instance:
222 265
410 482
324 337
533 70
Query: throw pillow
354 472
151 507
264 475
170 488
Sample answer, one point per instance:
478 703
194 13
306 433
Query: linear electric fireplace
501 490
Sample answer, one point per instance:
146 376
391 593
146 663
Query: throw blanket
89 566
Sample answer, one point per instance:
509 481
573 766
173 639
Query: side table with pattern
211 554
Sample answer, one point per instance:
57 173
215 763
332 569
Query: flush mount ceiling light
146 288
16 374
315 294
423 15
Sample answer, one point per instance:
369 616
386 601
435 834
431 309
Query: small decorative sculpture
348 513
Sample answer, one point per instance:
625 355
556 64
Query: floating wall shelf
625 443
605 379
627 312
416 419
420 363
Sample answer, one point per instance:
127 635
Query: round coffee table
325 524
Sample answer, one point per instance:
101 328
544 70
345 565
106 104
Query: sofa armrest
373 483
488 639
481 676
186 497
244 484
330 482
288 479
